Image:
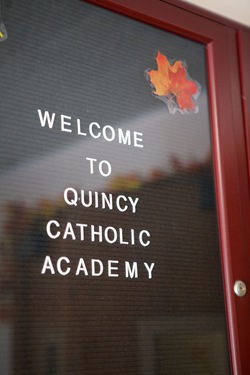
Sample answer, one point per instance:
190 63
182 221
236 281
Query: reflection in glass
126 285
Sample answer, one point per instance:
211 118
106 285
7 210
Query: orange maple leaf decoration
172 86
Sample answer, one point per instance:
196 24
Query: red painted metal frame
244 56
228 62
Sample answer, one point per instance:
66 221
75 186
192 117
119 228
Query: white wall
237 10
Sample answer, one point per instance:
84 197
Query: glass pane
110 262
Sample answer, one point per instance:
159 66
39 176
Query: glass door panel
110 259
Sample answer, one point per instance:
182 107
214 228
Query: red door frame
228 61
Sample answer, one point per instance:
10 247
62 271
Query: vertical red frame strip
244 61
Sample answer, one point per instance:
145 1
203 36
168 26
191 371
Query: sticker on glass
172 84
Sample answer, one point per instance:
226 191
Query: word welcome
107 132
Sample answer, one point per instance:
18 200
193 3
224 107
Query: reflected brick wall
84 324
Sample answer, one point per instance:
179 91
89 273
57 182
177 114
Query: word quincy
97 233
97 268
94 130
100 200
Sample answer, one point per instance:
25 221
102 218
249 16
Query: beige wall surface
238 11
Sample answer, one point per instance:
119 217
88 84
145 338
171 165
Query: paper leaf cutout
171 84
